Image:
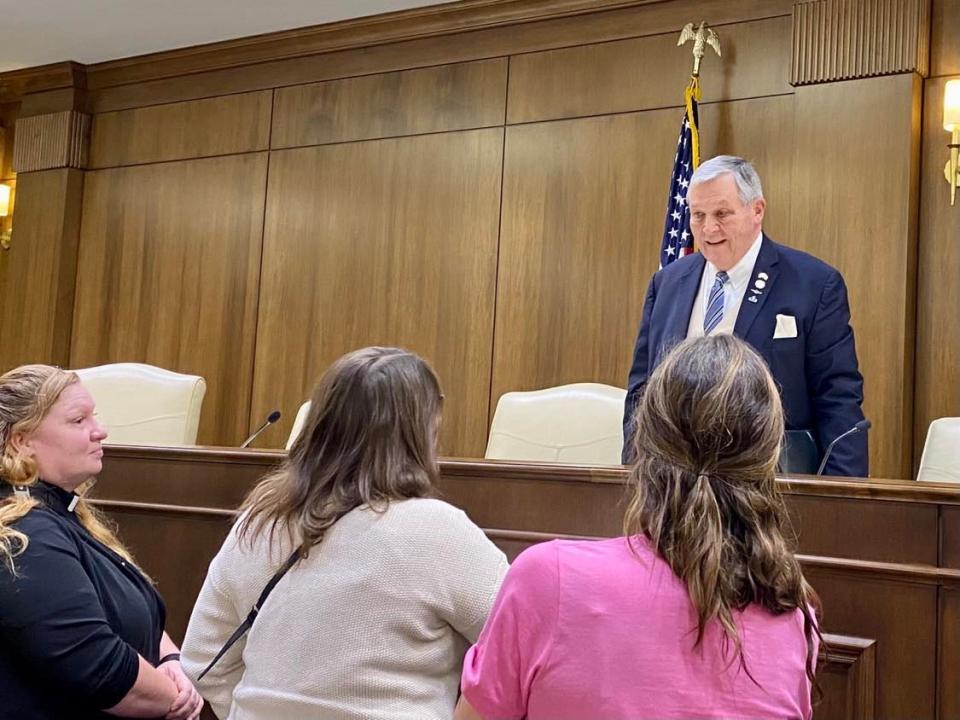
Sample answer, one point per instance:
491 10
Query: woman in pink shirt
702 611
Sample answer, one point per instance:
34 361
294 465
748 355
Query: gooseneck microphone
861 426
271 419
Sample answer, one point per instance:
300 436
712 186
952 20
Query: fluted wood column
38 272
852 39
858 68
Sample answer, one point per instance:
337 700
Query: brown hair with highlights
707 439
370 438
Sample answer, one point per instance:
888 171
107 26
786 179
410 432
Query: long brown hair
26 395
370 438
708 433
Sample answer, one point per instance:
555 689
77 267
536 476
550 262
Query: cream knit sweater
373 624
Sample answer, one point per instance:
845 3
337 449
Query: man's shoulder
678 268
804 262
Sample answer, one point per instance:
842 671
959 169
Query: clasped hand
188 703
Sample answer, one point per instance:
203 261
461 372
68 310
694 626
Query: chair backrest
578 424
145 405
298 424
941 453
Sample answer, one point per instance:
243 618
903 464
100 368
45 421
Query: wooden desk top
465 468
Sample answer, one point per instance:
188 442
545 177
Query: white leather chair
145 405
298 424
941 452
575 424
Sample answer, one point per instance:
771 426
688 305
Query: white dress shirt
738 277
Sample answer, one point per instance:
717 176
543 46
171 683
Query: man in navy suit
790 306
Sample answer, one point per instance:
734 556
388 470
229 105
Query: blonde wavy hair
26 395
707 439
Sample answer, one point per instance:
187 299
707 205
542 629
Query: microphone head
863 425
273 417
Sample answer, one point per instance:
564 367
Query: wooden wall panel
621 60
373 31
944 43
902 617
168 275
855 173
583 204
178 131
938 279
949 660
847 677
885 532
37 273
760 130
950 528
390 242
115 86
583 209
56 101
648 72
8 119
437 99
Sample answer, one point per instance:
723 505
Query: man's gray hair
748 182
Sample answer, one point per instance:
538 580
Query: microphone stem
826 455
246 443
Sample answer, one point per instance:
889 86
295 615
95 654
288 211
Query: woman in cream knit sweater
391 586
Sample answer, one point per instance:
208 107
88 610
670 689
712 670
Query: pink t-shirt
593 630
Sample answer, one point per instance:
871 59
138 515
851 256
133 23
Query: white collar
739 274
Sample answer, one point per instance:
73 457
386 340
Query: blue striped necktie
714 312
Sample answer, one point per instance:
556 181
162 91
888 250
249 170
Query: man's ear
759 207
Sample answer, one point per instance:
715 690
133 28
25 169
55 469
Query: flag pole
690 95
702 37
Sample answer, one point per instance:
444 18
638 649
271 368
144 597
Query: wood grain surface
168 274
389 242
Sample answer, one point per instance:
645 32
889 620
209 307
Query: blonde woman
390 585
81 627
701 611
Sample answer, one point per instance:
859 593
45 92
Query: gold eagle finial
703 34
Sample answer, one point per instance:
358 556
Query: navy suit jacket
820 384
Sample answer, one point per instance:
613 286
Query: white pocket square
786 327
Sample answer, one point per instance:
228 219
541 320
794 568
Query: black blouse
73 618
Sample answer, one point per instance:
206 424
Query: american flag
677 238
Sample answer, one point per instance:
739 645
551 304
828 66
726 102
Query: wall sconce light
951 123
5 232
